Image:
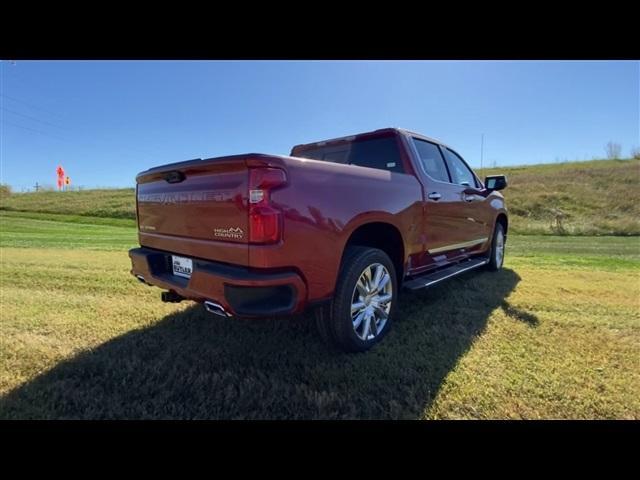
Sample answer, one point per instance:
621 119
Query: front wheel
361 311
496 258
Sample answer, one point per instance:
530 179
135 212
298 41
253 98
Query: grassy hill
583 198
599 197
106 203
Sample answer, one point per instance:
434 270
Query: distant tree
635 153
5 190
613 150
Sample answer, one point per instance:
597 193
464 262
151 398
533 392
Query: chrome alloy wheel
499 247
371 301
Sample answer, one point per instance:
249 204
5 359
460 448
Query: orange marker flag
60 172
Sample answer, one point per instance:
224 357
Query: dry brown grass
583 198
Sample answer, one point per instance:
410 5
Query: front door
472 212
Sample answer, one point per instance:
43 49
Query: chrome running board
432 278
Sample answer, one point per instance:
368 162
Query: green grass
594 198
70 218
556 334
18 229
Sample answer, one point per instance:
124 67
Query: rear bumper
240 290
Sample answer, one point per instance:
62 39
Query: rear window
380 153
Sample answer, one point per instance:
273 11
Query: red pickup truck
339 225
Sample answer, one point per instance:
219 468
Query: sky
105 121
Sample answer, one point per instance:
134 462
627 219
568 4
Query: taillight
265 220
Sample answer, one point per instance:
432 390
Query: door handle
434 196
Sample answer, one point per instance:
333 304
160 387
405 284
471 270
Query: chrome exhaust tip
216 309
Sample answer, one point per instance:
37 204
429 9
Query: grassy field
585 198
556 334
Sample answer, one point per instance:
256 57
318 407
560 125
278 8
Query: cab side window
460 173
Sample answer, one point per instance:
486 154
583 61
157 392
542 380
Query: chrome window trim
416 155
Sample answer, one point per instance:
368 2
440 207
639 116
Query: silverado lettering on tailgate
167 198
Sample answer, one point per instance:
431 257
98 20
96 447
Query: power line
4 122
32 118
104 139
109 141
481 152
30 105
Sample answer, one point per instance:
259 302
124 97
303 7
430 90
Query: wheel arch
381 235
504 221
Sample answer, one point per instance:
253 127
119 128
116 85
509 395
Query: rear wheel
361 311
496 258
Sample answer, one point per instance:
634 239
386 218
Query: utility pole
37 186
481 151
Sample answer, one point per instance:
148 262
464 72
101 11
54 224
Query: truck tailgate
196 208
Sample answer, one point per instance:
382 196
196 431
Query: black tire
334 322
496 260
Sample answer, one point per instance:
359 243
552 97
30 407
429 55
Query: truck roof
373 133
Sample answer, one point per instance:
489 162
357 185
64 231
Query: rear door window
431 160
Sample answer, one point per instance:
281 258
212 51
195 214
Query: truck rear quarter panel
323 204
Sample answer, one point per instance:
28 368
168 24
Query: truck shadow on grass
193 365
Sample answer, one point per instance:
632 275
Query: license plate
182 266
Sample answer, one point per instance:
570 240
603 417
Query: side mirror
495 182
